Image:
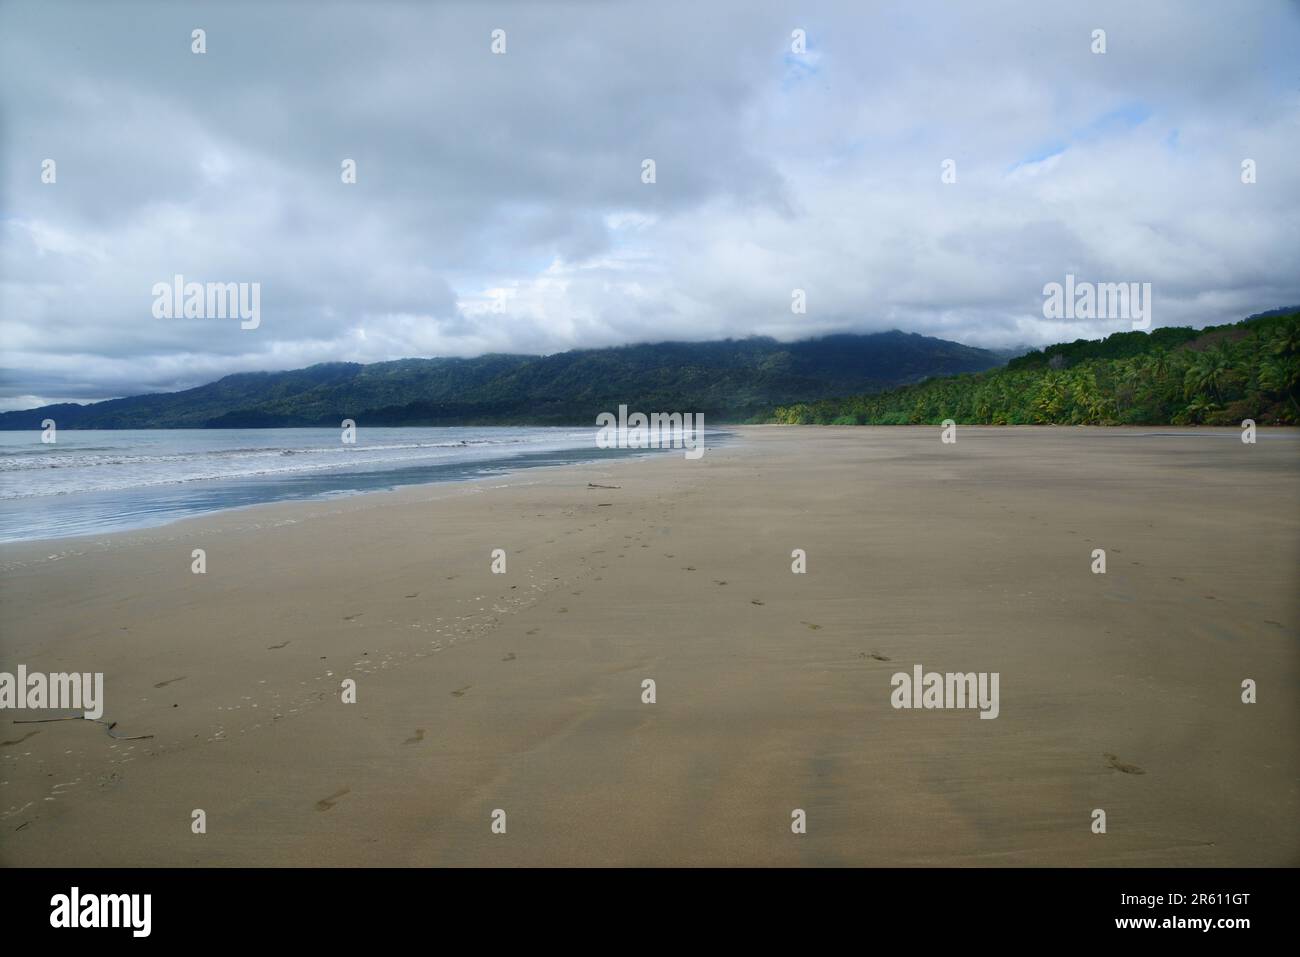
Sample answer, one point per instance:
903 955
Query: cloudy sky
499 203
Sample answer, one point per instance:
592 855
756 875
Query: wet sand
523 691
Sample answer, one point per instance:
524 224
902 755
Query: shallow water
97 481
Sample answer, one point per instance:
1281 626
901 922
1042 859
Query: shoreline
294 511
503 471
733 432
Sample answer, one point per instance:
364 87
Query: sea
89 482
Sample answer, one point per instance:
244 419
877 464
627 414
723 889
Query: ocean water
100 481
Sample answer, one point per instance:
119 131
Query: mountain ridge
729 380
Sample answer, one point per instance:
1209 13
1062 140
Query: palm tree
1280 374
1286 339
1208 373
1198 409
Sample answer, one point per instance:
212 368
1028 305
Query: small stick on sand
77 717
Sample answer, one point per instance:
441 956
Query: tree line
1171 376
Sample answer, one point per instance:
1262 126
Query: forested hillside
1215 376
730 380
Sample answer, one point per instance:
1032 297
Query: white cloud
499 205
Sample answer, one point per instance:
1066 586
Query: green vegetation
1217 376
729 381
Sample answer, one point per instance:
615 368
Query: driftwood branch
75 717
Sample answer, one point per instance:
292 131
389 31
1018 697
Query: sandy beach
523 692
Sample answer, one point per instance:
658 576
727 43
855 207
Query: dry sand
523 691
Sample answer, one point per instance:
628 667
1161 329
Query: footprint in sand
510 656
1119 765
325 803
419 736
164 684
274 647
460 692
